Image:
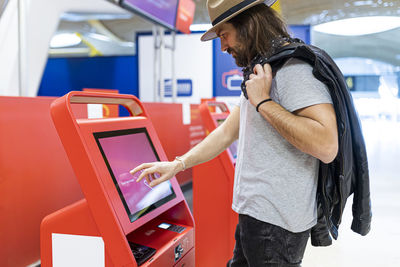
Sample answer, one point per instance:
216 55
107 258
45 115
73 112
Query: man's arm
215 143
312 130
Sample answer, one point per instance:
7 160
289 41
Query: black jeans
260 244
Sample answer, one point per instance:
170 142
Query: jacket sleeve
361 208
319 233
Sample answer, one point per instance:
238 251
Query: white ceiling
384 46
319 11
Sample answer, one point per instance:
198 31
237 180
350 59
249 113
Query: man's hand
259 84
157 172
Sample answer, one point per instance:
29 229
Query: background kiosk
212 197
136 225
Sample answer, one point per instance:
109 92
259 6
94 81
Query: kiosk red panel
212 197
31 160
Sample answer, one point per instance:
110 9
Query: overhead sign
159 11
185 14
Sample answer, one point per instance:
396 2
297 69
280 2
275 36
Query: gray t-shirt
274 181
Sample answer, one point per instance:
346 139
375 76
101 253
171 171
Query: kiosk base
168 248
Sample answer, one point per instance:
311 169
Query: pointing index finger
140 167
145 174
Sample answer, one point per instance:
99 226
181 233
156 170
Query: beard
239 54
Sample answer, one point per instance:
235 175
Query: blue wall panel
301 31
62 75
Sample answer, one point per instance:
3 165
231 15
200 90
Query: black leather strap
262 102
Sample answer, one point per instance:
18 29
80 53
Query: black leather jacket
348 173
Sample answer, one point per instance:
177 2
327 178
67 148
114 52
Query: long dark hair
256 28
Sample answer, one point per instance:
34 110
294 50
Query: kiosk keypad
141 253
176 228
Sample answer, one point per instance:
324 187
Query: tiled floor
381 247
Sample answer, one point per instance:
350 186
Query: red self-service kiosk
212 197
120 222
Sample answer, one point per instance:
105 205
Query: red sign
185 14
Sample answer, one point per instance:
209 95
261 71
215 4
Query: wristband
181 161
259 104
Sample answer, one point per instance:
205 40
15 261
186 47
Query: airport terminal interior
85 83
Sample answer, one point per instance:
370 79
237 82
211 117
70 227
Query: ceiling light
359 26
200 27
64 40
84 16
99 37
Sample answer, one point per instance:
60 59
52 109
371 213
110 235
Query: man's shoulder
294 61
294 66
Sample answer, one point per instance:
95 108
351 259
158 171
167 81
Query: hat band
231 11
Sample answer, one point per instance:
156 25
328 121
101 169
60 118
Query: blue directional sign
227 77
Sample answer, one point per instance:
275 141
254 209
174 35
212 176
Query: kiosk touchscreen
212 196
138 224
122 151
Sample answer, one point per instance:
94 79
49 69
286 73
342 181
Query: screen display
233 146
164 225
161 11
122 151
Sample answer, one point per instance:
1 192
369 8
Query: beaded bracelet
181 161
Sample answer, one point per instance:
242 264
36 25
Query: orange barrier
108 212
36 177
212 198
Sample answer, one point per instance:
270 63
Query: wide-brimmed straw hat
223 10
